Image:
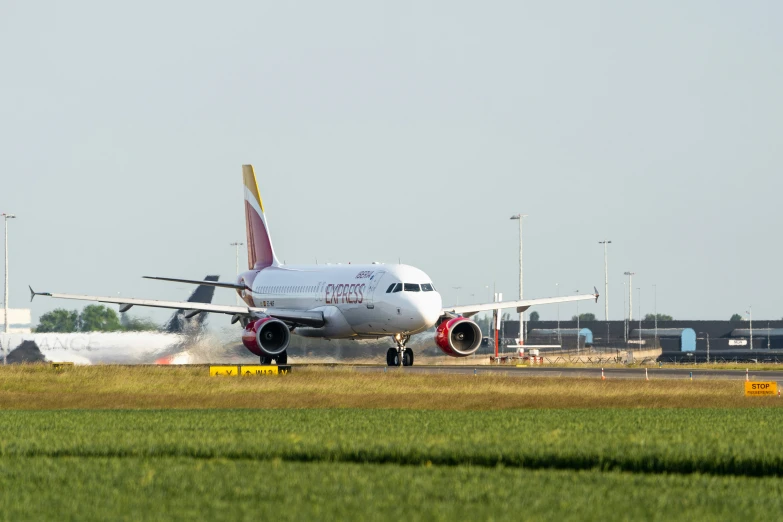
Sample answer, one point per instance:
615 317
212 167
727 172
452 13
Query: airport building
728 340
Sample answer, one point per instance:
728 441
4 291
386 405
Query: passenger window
411 287
397 287
391 287
426 287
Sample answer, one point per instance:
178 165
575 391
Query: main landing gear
279 359
400 354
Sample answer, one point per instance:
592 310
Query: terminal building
677 340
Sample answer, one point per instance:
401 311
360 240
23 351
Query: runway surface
610 373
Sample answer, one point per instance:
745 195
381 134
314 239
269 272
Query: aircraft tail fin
179 323
260 253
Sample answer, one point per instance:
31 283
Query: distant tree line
661 317
93 318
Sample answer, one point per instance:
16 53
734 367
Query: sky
399 131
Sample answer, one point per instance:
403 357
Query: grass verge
101 387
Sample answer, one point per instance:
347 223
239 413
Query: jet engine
267 336
458 337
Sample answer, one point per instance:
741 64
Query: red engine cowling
267 336
458 337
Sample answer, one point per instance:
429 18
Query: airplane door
375 279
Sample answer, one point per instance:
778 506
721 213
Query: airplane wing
521 306
294 317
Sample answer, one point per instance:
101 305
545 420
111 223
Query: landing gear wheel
400 356
279 359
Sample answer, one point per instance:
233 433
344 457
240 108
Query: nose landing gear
400 354
281 358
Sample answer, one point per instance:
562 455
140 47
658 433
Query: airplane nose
428 309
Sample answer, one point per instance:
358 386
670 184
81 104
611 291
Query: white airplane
161 346
331 301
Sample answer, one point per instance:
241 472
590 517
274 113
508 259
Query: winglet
33 293
596 294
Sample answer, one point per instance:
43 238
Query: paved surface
610 373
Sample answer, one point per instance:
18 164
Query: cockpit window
391 287
411 287
397 287
426 287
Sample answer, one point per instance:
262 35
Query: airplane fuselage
357 301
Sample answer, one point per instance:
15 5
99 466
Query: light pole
625 325
520 218
578 335
6 217
708 347
557 291
457 288
606 242
630 295
236 245
640 318
655 311
750 313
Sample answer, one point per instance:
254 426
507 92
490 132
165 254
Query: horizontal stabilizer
219 284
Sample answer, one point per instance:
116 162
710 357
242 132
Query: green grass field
181 488
644 440
94 443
